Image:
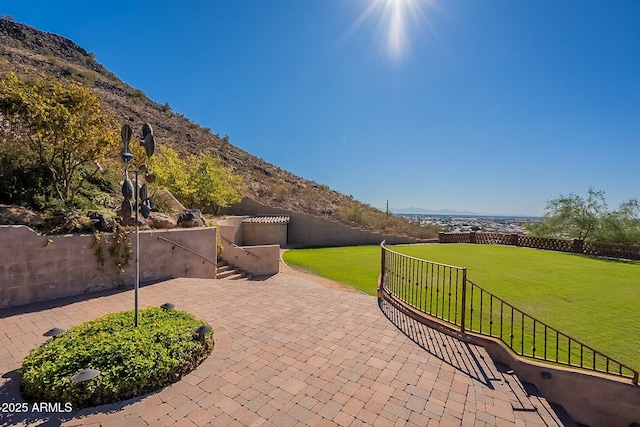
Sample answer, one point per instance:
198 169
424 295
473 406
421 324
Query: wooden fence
576 246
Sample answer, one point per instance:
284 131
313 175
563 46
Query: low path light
202 331
85 375
54 332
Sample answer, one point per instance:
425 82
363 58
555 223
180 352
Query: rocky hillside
28 52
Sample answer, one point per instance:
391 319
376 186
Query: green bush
132 360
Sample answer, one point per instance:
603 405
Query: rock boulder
190 218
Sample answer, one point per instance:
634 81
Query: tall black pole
149 144
137 285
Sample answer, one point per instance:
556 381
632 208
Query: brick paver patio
288 353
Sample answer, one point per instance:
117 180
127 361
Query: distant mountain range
421 211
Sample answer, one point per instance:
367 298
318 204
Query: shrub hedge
132 360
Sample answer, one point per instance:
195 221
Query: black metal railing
444 292
178 245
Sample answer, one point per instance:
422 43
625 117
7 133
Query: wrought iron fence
444 292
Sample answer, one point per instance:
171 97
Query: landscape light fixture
202 331
167 306
85 375
53 332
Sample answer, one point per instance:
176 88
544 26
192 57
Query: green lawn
357 266
593 300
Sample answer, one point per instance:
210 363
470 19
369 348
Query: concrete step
231 272
224 268
225 274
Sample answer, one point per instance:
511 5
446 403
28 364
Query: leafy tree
197 180
573 216
22 179
622 225
60 128
171 173
215 185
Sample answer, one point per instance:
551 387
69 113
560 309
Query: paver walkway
288 353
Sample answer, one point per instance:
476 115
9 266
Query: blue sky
492 106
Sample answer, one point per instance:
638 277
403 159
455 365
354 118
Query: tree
622 225
172 174
61 127
573 216
198 180
215 185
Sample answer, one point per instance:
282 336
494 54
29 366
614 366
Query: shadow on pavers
26 413
467 358
64 301
461 355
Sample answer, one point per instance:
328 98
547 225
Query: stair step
226 274
231 272
236 276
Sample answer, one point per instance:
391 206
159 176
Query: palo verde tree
588 218
61 128
573 216
622 225
200 180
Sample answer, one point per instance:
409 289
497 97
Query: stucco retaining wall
264 234
36 268
260 260
589 398
309 230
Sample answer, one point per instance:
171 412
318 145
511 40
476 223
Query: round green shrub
132 360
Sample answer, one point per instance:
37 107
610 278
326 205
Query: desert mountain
28 52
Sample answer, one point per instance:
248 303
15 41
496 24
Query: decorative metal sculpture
143 203
127 187
148 140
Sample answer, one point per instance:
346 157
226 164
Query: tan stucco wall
261 260
310 230
264 234
231 228
38 268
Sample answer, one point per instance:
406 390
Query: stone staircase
231 272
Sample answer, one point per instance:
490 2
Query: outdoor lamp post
141 193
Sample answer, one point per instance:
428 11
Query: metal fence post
464 299
382 266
